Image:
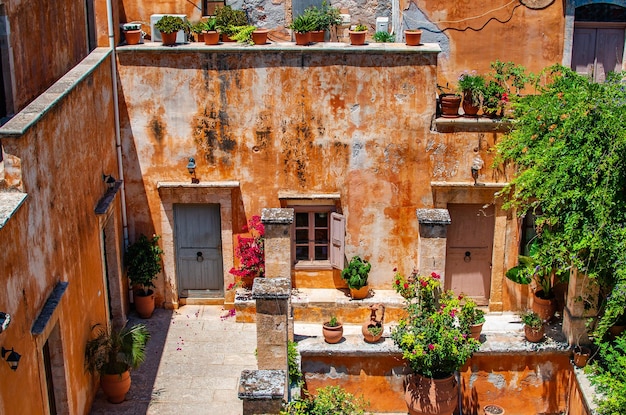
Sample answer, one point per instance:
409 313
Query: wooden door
198 250
598 50
469 249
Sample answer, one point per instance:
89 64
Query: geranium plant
431 337
250 251
473 86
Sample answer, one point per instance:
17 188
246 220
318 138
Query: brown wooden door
469 249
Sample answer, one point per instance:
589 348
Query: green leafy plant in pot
143 262
302 26
355 275
169 26
112 354
228 20
533 326
435 345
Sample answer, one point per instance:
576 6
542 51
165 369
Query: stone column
262 391
272 298
433 230
277 243
278 262
581 305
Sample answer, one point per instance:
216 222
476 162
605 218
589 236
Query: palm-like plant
116 351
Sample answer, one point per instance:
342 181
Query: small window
209 7
318 236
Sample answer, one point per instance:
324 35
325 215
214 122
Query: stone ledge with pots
472 124
322 47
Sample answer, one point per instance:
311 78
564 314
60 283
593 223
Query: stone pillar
262 391
272 298
433 230
581 305
277 246
277 243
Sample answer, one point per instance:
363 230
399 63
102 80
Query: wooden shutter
337 240
609 52
584 51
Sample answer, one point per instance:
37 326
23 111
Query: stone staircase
316 305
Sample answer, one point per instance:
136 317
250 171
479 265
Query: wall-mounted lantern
13 358
191 167
5 320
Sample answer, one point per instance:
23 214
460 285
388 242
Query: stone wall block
277 224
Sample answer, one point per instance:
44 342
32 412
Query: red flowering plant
431 337
405 286
250 253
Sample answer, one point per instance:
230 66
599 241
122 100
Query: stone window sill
313 265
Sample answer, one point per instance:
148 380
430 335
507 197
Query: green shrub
170 24
383 37
293 364
143 260
608 374
356 273
330 400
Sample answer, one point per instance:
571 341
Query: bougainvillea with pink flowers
250 252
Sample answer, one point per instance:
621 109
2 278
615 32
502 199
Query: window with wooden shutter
337 240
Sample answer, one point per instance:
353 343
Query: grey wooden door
469 249
598 51
198 250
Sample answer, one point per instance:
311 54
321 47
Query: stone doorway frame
448 192
202 193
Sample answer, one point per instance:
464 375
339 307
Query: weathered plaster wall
356 124
51 37
55 236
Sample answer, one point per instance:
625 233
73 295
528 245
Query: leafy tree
568 148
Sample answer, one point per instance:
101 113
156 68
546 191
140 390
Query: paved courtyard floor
194 360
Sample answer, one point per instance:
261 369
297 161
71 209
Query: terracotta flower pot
357 38
303 39
476 329
534 335
545 307
359 294
259 36
450 104
332 335
133 37
581 355
211 38
469 108
169 38
318 36
428 396
368 336
115 387
144 304
413 37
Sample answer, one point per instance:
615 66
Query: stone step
316 305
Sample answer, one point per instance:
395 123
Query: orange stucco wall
56 236
523 384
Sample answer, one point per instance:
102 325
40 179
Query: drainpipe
395 20
116 115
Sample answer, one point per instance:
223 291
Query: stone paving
194 360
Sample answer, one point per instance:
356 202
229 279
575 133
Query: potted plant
112 354
227 20
143 261
383 37
533 326
471 317
413 37
132 33
169 26
211 35
198 29
242 34
357 35
449 102
435 345
332 330
530 270
405 286
495 98
302 26
250 251
355 275
472 87
581 355
324 18
373 329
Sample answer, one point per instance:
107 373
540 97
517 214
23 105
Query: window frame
311 210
